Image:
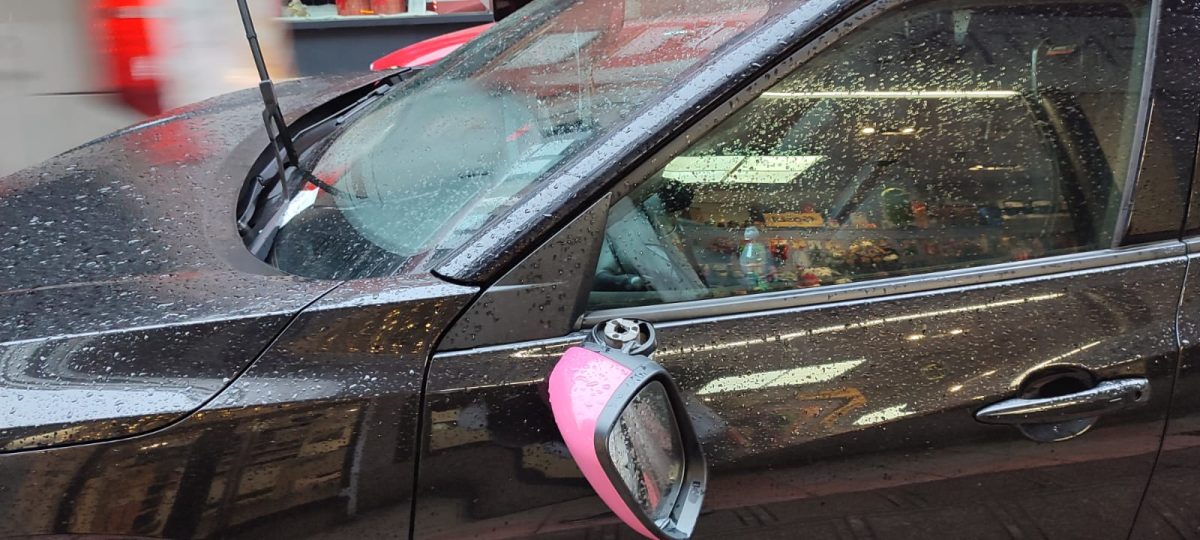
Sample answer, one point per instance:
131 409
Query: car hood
127 298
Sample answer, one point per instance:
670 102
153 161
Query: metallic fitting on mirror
630 336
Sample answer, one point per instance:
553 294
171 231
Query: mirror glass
645 447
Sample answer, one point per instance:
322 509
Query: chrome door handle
1106 397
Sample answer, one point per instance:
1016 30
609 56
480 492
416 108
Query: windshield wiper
277 129
283 144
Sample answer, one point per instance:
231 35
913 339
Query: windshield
437 160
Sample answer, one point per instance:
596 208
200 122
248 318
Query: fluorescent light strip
899 94
738 169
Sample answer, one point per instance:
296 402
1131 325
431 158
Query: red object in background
122 30
456 6
429 51
354 7
388 7
637 42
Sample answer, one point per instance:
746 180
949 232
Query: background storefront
344 36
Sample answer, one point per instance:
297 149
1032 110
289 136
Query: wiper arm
317 127
283 145
277 129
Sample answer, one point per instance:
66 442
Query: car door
931 211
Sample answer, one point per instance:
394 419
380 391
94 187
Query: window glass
934 137
442 157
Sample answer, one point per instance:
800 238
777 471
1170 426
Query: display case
807 256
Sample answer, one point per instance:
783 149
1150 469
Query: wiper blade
277 129
283 147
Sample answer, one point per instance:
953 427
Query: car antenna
277 129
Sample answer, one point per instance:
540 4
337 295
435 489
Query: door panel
1170 509
846 420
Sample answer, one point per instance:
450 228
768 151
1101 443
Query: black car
918 268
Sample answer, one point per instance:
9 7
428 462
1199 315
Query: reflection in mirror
646 451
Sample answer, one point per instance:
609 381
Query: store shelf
326 44
325 17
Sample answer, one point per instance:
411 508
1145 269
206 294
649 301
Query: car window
446 154
934 137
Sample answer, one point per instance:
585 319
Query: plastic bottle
897 208
753 260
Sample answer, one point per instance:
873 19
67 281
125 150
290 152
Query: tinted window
936 137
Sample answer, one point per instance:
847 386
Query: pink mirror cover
581 384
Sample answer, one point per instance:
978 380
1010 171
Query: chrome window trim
819 298
1141 125
887 287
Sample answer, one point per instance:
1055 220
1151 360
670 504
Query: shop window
936 137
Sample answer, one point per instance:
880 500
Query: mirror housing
626 426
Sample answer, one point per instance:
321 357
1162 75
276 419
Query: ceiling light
738 169
996 168
868 130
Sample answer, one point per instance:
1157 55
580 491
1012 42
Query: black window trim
886 287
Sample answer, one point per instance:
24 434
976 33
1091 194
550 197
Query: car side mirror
625 424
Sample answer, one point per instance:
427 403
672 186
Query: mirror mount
625 423
629 336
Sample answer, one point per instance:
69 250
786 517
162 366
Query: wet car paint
804 407
1169 508
323 435
129 300
318 431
